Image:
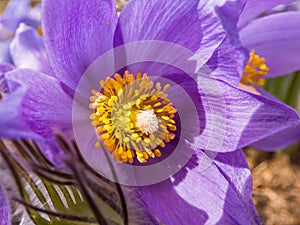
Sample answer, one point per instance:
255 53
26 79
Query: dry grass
2 5
276 190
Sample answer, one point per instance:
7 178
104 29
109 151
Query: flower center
133 118
147 121
254 70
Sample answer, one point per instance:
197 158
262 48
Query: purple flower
76 33
277 43
271 36
27 50
16 12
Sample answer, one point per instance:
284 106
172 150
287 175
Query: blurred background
276 175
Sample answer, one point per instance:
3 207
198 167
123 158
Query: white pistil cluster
147 122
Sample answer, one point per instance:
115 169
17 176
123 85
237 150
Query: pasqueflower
16 12
271 36
274 49
139 121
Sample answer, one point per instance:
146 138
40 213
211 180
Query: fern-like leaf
75 195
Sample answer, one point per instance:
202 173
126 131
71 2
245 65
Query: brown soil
276 191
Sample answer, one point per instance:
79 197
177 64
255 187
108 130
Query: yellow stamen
133 117
39 31
254 70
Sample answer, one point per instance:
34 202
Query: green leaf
77 196
286 88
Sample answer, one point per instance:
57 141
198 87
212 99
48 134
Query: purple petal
236 118
5 67
276 40
193 25
4 208
53 152
227 58
230 56
75 34
16 12
134 202
280 140
234 167
44 106
220 194
11 124
5 33
28 51
13 23
255 7
4 51
17 8
172 21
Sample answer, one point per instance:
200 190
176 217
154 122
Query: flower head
270 36
185 109
264 31
133 117
17 12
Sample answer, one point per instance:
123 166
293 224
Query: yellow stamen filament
254 70
133 117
